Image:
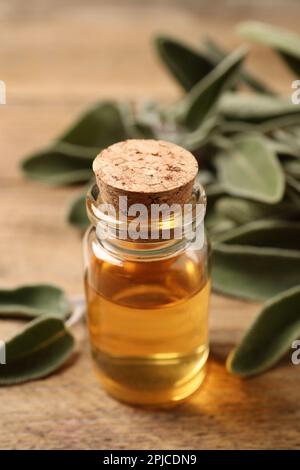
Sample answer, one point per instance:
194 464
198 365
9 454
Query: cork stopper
146 171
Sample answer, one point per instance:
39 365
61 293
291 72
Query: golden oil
148 324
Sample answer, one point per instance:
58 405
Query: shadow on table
230 412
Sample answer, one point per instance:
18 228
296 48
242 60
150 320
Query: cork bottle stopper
146 171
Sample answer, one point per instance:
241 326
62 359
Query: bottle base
153 383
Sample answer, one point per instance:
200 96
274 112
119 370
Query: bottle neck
149 238
161 249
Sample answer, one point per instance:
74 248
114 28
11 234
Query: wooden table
55 61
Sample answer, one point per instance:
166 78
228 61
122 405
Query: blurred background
56 58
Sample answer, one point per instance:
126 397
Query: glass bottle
147 308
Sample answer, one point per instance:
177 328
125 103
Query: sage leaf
293 195
41 348
217 53
74 150
99 127
77 215
256 108
270 337
267 125
57 168
206 93
242 211
143 130
253 273
217 224
272 233
195 139
214 192
205 177
284 150
293 183
187 65
285 43
251 169
292 168
33 301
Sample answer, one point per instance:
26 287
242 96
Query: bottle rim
160 222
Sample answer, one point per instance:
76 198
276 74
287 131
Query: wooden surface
55 60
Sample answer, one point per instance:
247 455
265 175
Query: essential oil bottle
147 276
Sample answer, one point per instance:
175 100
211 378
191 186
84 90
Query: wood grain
57 57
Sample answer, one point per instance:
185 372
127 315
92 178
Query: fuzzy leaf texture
41 348
270 337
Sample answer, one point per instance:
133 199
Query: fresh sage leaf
215 189
143 130
214 192
187 65
41 348
196 139
270 337
74 150
293 168
284 150
151 121
217 53
266 126
253 273
204 96
251 169
242 211
293 183
256 108
205 177
33 301
217 225
285 43
77 215
293 196
57 168
99 127
271 233
280 124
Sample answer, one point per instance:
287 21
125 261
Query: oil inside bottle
148 325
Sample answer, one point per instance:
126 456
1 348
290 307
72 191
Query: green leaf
214 192
205 177
216 225
203 97
293 183
195 139
99 127
268 125
242 211
187 65
57 168
75 150
293 196
271 233
33 301
270 337
257 108
286 43
41 348
284 150
217 53
254 273
293 168
77 215
251 169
